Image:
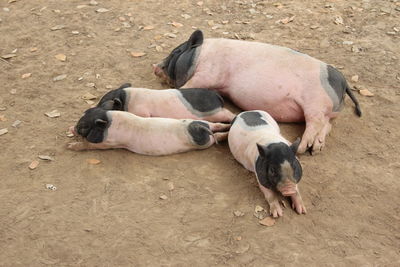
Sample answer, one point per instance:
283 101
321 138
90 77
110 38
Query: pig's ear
108 105
100 123
295 145
261 150
117 104
95 136
196 39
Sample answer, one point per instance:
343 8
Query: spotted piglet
104 129
191 103
255 141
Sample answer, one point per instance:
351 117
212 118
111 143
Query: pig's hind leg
317 126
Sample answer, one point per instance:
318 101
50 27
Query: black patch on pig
180 60
202 99
252 118
337 82
268 164
93 125
200 132
115 99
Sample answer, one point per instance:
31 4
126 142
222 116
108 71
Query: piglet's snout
287 188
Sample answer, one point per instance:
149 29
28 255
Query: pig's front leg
79 146
273 199
297 203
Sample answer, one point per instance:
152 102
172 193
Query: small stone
33 49
81 6
385 10
109 86
159 48
365 92
60 77
3 131
355 49
61 57
147 28
338 20
51 187
354 78
89 102
170 35
6 9
313 27
138 54
75 32
90 85
93 3
258 208
391 33
171 186
13 91
16 123
163 197
34 164
8 56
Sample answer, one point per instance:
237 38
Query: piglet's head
115 99
173 69
93 125
278 168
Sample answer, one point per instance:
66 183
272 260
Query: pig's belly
282 108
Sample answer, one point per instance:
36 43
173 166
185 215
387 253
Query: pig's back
248 129
258 75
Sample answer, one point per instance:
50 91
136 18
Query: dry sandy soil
110 214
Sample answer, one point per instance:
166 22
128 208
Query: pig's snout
287 188
72 130
158 71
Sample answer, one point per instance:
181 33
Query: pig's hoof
275 209
298 206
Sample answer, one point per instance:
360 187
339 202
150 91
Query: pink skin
242 143
166 103
278 80
150 136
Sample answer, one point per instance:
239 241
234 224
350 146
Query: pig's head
115 99
278 168
177 68
93 125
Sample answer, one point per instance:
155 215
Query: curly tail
354 99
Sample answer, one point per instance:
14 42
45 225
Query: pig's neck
121 129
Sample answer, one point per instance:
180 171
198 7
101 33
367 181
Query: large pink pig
104 129
255 141
192 103
291 86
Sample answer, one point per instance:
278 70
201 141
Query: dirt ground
110 214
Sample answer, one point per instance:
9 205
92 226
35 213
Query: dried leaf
176 24
93 161
57 27
171 186
286 20
16 123
33 49
53 114
163 197
33 165
61 57
238 213
60 77
186 16
170 35
137 54
147 28
102 10
8 56
365 92
258 208
3 131
45 157
26 75
90 102
267 221
88 96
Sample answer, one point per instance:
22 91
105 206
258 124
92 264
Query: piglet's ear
196 39
107 105
261 150
117 104
101 123
295 145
